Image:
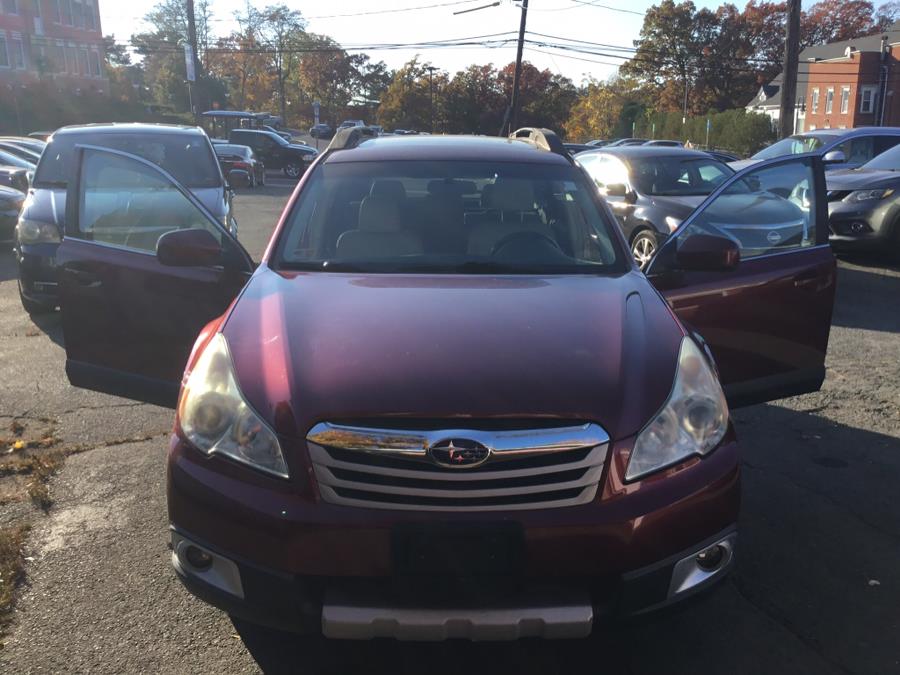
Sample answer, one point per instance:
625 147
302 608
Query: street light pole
431 70
514 105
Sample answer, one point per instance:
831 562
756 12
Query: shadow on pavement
8 268
814 590
867 297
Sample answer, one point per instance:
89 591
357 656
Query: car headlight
215 417
692 421
35 232
673 223
867 195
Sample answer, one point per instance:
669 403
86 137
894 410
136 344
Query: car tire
644 246
293 170
33 307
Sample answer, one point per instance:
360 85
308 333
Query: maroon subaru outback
446 404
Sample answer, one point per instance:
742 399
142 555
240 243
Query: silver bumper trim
556 616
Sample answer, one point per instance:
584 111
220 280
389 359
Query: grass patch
12 569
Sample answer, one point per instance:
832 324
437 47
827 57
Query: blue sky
573 19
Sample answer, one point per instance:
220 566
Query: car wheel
293 170
644 247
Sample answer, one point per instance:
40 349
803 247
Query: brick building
58 40
842 85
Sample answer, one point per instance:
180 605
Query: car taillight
242 165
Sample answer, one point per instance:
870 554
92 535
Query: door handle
84 278
809 280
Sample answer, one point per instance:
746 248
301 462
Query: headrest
512 194
379 214
454 188
389 189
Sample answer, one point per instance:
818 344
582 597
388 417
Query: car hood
49 205
311 347
743 163
302 148
861 179
678 207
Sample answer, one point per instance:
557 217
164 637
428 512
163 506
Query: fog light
710 558
197 558
858 227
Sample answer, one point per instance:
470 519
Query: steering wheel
513 237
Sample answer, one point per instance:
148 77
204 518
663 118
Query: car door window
883 143
859 150
125 203
770 210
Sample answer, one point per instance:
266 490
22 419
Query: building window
95 64
83 60
55 13
867 99
815 101
17 53
11 6
36 8
845 100
829 100
77 14
90 20
67 12
4 56
71 61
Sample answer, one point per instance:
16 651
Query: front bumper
288 560
38 274
861 227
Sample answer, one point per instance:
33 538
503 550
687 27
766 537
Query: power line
392 11
588 3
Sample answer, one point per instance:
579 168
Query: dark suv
652 189
183 152
275 152
447 404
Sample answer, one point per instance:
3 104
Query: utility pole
192 39
431 70
789 73
514 105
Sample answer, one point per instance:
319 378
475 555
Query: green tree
474 102
406 103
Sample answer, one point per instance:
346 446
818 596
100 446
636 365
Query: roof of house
769 95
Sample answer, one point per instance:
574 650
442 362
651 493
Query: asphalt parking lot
815 589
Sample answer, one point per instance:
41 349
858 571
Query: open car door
143 267
751 272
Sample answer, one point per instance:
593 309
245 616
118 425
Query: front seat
513 210
379 233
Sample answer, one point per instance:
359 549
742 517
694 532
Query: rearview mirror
238 178
188 248
834 157
707 252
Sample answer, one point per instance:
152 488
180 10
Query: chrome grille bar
392 469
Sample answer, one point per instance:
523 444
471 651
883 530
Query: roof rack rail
545 139
348 138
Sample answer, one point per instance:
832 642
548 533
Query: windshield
186 156
449 217
675 176
794 145
889 160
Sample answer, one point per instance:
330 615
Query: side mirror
238 178
188 248
616 190
706 252
834 157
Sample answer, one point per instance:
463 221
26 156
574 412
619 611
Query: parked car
447 404
575 148
840 148
626 141
183 152
41 135
241 158
321 130
32 144
652 190
663 144
597 143
8 158
20 151
722 156
14 177
10 205
348 124
284 134
275 152
864 205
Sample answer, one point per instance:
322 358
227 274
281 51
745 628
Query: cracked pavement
815 589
